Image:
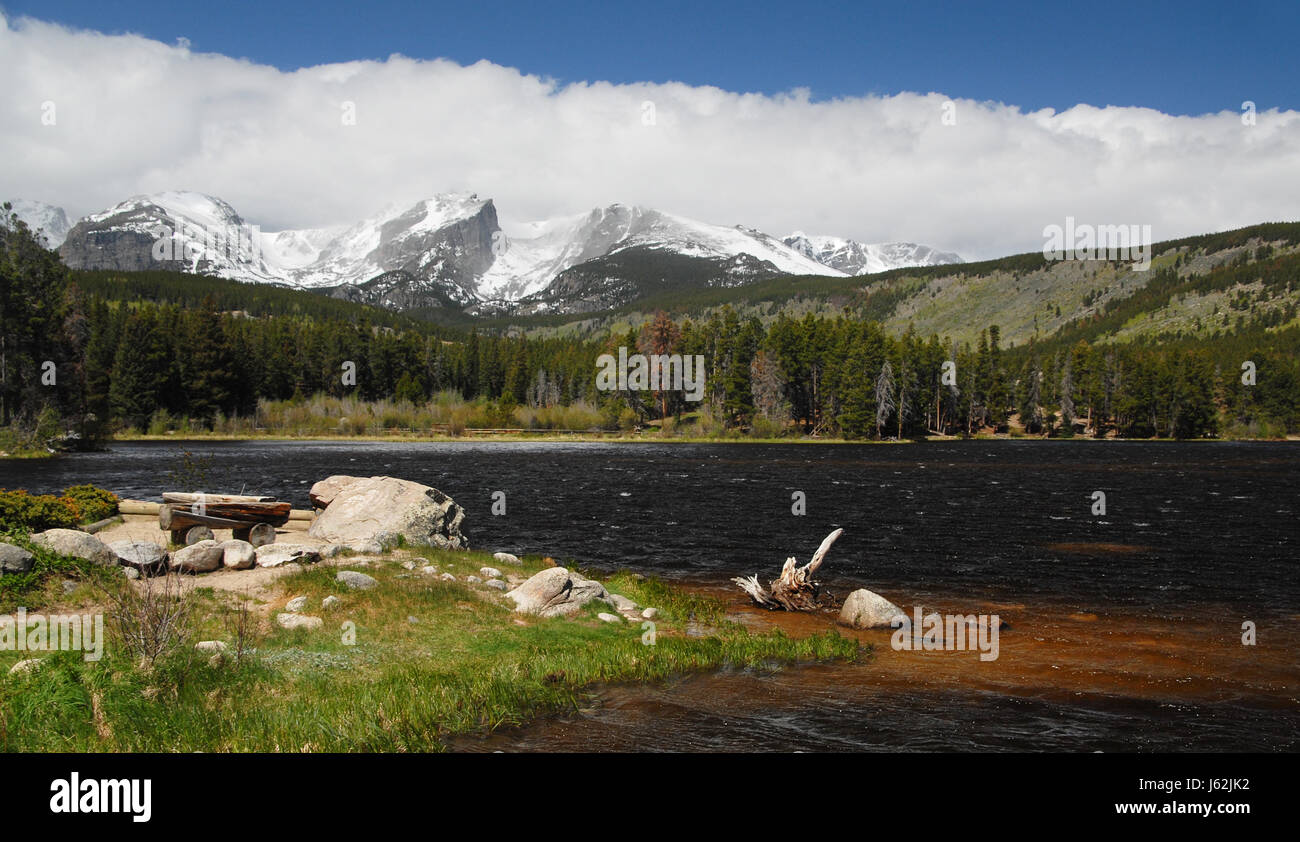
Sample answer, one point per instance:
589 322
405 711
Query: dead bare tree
795 589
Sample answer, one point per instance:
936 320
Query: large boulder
382 508
324 492
144 556
76 544
866 609
200 557
557 592
15 559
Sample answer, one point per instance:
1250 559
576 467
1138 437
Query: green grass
466 666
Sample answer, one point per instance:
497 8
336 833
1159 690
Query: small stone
408 564
367 547
447 577
238 555
489 573
296 604
217 646
331 550
507 558
274 555
29 665
69 586
412 619
497 584
199 557
650 613
428 570
298 621
355 580
609 618
473 580
329 602
130 573
622 603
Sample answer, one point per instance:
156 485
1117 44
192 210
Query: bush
94 503
38 512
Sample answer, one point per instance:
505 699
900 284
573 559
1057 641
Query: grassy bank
431 659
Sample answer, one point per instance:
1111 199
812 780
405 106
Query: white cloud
133 115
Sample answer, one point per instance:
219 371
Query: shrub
38 512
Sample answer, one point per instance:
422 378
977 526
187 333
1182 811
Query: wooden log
261 535
186 497
137 507
795 589
173 519
246 513
196 534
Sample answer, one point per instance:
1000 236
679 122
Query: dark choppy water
1196 538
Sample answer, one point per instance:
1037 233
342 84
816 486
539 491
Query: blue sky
1190 57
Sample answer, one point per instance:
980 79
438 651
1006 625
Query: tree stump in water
795 589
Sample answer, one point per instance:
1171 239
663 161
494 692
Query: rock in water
866 609
238 555
76 544
15 559
382 508
142 555
555 592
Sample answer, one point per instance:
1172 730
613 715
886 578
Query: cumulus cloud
132 115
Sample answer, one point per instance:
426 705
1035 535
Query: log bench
189 517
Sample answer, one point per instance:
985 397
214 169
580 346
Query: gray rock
144 556
609 618
447 577
69 586
329 602
332 550
555 592
76 544
273 555
130 572
622 603
650 613
15 559
298 621
507 558
217 646
355 580
489 573
296 604
383 508
408 565
428 570
497 584
473 580
203 557
324 492
238 555
412 619
366 547
866 609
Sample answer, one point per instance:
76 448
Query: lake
1126 627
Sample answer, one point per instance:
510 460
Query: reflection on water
1125 628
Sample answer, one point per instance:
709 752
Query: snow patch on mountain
854 258
48 219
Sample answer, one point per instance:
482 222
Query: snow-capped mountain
47 219
450 250
854 258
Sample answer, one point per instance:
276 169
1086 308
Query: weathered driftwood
795 589
186 497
